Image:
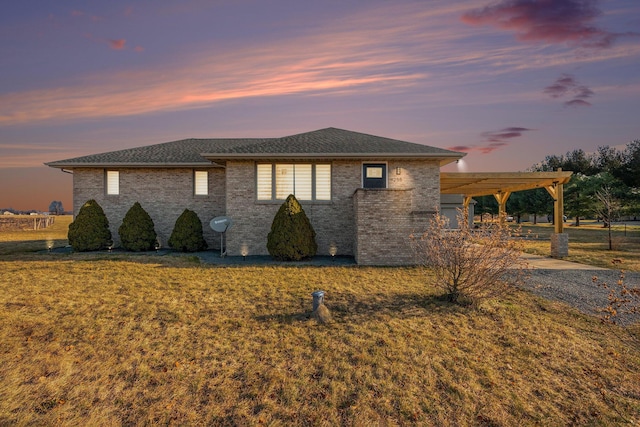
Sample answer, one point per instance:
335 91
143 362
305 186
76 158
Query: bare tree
470 264
607 207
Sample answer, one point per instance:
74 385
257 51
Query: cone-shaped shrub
137 232
90 230
187 233
292 237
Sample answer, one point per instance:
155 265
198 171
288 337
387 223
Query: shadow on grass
350 308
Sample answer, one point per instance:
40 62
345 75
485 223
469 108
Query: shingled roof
323 143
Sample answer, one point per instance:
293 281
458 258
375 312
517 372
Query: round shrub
90 230
292 237
187 233
137 232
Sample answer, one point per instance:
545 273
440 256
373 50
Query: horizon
507 82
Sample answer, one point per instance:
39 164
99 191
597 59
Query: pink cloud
77 13
554 21
463 148
117 44
138 49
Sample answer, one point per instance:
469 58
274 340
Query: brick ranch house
363 194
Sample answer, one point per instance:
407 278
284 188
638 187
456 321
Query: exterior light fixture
333 250
110 245
398 170
157 245
244 251
49 246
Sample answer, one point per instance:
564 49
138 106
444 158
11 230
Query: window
304 180
201 183
113 183
374 175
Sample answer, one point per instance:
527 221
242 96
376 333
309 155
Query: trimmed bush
90 230
187 233
292 237
137 232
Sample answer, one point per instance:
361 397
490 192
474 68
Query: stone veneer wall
163 192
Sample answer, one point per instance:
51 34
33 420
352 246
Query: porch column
502 198
559 239
465 207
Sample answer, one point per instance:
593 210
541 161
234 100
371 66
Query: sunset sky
507 81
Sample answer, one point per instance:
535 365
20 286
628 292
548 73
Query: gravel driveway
573 284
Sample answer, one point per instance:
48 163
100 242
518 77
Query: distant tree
137 231
517 205
55 208
610 160
90 230
578 197
187 235
485 205
630 170
576 161
536 201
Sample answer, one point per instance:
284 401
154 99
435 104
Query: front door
374 175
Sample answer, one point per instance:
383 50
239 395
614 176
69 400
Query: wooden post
465 204
501 198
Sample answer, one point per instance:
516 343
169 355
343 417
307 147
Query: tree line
604 185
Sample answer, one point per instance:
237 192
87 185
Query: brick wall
333 221
384 221
164 193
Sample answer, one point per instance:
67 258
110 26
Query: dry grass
93 341
105 339
12 242
589 245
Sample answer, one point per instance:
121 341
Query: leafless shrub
624 300
470 265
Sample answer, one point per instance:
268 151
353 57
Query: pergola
502 184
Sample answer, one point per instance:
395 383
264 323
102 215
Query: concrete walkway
545 263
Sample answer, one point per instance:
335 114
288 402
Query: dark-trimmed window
306 181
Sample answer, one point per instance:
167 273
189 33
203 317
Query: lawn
589 244
111 339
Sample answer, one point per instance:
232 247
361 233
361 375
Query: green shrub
137 232
292 237
90 230
187 233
